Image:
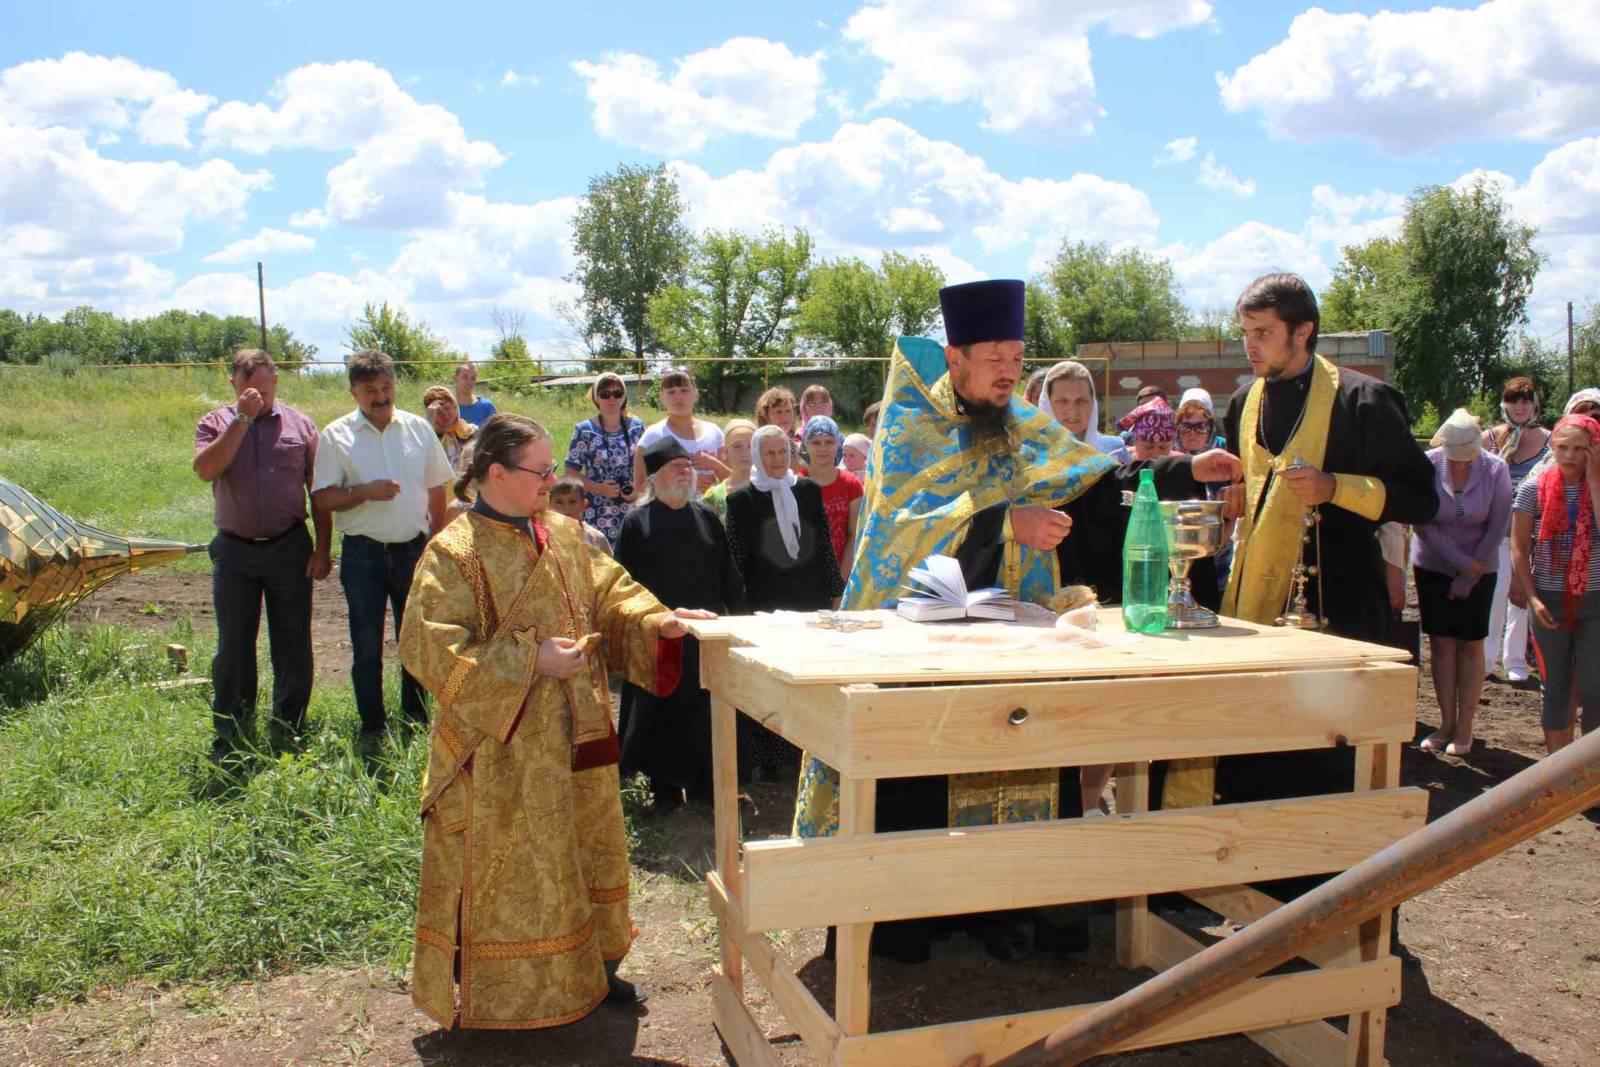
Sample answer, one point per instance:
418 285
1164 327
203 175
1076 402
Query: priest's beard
674 495
988 419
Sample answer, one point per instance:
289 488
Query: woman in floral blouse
601 453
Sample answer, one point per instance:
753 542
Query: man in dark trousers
259 455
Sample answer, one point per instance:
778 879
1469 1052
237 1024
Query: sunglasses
610 394
1519 398
1194 427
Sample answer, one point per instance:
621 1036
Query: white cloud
1562 195
78 202
1026 63
1339 219
407 156
1514 69
1179 151
512 80
745 85
313 219
883 185
1219 179
1215 274
85 91
265 243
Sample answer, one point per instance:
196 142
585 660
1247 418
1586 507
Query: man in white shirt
381 473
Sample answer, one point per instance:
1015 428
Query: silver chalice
1194 531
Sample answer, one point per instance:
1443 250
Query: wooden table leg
1133 913
725 805
852 996
1377 767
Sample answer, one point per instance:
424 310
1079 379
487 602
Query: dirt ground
1502 964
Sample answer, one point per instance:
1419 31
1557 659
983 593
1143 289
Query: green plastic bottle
1144 562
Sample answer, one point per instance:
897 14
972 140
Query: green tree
1042 337
1210 323
410 345
630 243
1461 291
1364 287
738 300
854 312
1101 295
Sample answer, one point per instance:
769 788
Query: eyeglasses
610 394
542 474
1194 427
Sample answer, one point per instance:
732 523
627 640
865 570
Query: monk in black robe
675 546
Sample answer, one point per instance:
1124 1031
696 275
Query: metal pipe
1556 787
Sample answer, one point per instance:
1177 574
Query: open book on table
938 591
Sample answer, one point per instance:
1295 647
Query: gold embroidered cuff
1360 493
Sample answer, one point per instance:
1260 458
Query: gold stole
1266 545
1269 536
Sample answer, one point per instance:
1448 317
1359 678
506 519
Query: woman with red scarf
1557 566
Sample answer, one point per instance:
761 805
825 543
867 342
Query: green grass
124 854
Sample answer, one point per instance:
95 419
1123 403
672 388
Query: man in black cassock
1310 435
675 546
983 327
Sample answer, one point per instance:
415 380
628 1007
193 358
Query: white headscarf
782 490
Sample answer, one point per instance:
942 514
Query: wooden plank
725 813
1307 1043
1243 905
738 1026
822 881
1365 1031
903 651
813 722
852 999
893 733
819 1032
1133 913
1258 1004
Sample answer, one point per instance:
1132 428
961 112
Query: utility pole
261 294
1571 363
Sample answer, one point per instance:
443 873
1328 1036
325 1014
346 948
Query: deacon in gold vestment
512 623
1359 467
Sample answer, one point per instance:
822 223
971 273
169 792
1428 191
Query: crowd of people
522 589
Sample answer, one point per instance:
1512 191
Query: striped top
1546 576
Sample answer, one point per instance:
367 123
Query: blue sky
430 155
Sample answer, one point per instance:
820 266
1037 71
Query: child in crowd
567 498
775 407
857 447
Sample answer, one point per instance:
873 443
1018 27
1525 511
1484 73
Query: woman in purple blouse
1453 560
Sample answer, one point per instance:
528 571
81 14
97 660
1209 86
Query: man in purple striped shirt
259 456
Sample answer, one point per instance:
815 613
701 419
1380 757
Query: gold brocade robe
524 888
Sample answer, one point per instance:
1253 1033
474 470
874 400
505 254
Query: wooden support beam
738 1026
1243 905
810 1020
1133 913
1266 1003
852 999
826 881
897 732
1312 1043
725 809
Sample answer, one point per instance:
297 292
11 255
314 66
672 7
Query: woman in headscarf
1452 560
841 490
779 536
1152 429
1522 443
1197 423
1069 391
1554 551
453 431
